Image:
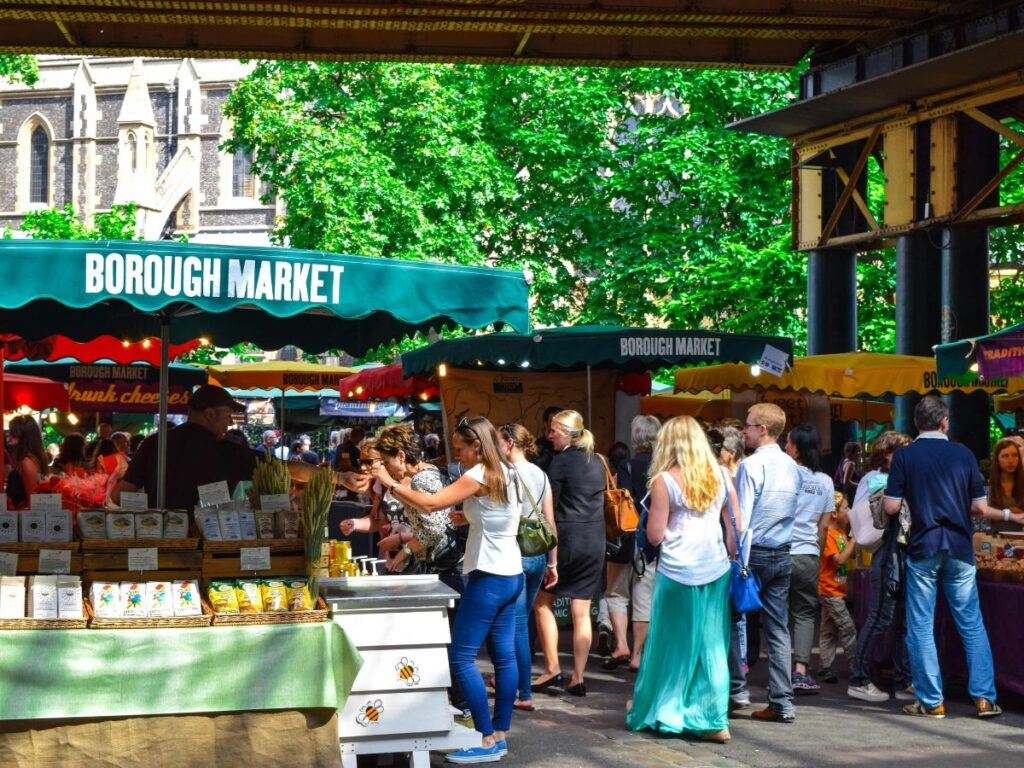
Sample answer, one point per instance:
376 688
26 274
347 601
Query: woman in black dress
577 486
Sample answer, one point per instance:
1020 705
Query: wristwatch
408 550
1006 515
393 486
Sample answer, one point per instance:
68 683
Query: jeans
803 605
961 590
773 568
533 572
488 608
885 611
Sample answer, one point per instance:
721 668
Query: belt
783 548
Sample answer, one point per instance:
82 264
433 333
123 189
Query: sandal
524 706
718 737
614 662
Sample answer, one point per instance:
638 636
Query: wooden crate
222 559
175 565
28 555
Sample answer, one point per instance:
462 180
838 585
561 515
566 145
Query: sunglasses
369 462
464 424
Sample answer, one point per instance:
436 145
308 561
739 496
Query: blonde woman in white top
683 684
493 570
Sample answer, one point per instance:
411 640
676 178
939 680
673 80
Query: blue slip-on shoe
502 747
477 754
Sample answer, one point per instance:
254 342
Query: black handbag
535 535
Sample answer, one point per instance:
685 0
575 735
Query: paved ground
831 730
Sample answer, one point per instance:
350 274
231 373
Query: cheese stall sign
670 346
133 274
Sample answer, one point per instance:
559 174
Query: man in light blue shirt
767 485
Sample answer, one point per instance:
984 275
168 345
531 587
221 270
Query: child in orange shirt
836 623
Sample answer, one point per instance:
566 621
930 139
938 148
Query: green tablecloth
62 674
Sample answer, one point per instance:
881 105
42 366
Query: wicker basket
322 612
166 622
28 623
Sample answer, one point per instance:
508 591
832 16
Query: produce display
150 524
139 600
241 596
271 477
999 558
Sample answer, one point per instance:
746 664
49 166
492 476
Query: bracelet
393 486
553 566
407 550
1006 515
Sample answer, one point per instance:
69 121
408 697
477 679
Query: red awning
384 382
35 392
101 348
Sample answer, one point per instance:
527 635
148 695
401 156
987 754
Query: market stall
713 406
182 292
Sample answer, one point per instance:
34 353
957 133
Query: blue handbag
744 586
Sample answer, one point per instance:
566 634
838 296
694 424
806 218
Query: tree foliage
19 68
119 223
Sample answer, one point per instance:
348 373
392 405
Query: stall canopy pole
3 465
590 419
165 386
282 420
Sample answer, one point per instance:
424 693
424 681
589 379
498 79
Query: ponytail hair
571 422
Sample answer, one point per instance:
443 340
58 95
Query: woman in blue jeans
493 571
519 448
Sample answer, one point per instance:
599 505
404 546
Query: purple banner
1001 358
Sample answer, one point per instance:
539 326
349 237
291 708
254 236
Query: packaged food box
299 598
286 524
105 597
133 599
8 527
247 524
264 524
209 524
69 597
250 597
175 524
92 523
275 596
230 527
149 525
42 597
222 597
12 597
58 525
120 525
32 524
158 599
185 598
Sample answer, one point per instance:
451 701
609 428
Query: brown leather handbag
620 515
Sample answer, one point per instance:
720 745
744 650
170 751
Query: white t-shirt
816 497
536 483
491 545
693 551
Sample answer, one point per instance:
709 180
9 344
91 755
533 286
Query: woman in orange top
29 461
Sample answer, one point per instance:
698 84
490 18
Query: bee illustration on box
408 671
370 713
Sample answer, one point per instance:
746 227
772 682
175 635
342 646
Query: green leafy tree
119 223
19 68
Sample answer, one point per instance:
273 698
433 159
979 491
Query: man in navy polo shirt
942 487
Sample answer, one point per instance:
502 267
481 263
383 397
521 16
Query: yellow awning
710 406
279 374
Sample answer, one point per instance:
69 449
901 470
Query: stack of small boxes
46 597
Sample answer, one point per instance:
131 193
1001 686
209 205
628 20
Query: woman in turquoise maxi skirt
683 683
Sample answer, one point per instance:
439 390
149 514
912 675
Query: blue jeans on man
959 585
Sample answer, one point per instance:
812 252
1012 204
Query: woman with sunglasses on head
29 461
493 571
577 486
386 515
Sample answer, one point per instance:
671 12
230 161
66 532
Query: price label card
213 494
134 502
54 561
46 502
8 563
255 558
3 501
142 559
275 502
773 361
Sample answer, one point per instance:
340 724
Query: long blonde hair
571 422
682 443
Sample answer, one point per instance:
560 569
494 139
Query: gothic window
133 151
39 167
243 182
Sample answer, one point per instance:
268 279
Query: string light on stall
72 419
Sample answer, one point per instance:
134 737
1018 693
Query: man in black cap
196 454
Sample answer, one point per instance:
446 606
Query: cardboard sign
132 501
213 494
773 361
8 563
46 502
255 558
142 559
54 561
272 502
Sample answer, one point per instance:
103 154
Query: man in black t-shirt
196 453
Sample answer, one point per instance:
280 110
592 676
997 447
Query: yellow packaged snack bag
275 596
222 597
299 598
250 597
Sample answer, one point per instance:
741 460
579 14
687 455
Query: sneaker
987 708
476 755
735 704
917 709
826 675
905 694
804 685
869 692
502 747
